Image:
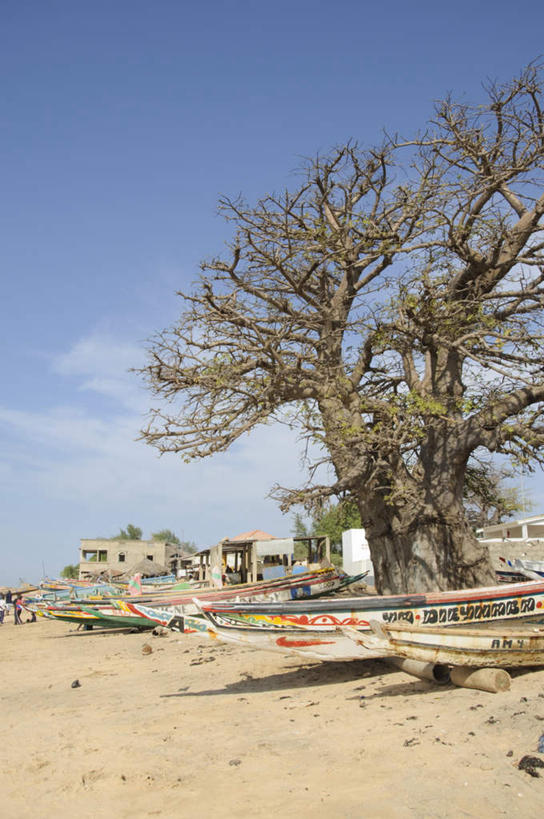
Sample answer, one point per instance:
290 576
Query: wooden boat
307 584
73 594
160 616
183 624
301 642
119 617
319 630
313 644
536 566
77 615
121 613
496 647
517 602
510 576
524 568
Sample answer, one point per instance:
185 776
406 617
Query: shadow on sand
308 676
96 632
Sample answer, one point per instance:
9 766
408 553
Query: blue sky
122 123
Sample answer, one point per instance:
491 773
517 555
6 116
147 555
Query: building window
149 557
121 557
96 556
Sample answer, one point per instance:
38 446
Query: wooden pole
425 671
254 561
483 679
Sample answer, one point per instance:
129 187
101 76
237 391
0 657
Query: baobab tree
390 308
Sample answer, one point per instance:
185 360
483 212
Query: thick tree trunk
429 551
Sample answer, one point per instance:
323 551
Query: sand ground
196 728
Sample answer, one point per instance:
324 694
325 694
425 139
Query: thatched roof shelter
147 568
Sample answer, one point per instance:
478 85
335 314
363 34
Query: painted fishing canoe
117 613
154 615
313 644
119 618
86 614
186 624
517 602
289 587
496 647
76 616
524 568
301 642
299 586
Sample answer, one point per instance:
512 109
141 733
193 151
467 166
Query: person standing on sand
3 608
8 599
17 608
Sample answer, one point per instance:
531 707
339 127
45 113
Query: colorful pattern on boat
515 602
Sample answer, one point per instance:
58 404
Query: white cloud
77 470
79 456
102 364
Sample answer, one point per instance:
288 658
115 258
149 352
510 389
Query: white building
518 530
356 554
514 539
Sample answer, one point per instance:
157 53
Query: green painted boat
119 620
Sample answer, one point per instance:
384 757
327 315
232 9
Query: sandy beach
193 728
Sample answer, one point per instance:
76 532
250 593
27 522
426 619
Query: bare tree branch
390 308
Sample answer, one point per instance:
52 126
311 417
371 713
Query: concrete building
108 558
525 529
256 555
513 539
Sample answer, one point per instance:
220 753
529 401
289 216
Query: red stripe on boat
287 643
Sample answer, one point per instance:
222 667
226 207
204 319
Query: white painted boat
527 568
330 646
502 647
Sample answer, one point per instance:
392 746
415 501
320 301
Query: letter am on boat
389 307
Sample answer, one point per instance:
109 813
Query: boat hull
120 612
498 647
330 646
519 602
292 588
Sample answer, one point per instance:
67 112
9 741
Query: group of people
17 603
